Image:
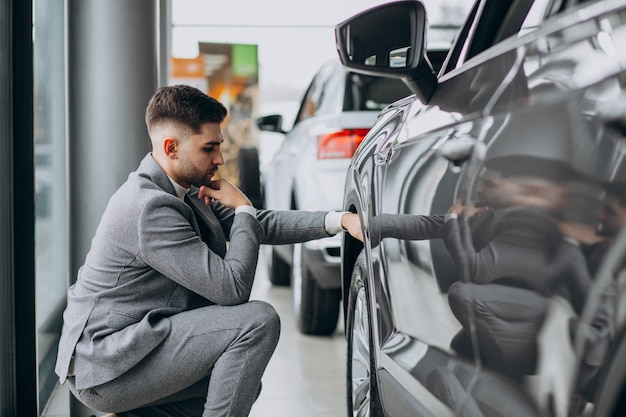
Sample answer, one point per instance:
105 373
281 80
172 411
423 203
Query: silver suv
308 173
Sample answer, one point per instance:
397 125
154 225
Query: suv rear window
365 92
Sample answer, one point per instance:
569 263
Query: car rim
296 279
360 361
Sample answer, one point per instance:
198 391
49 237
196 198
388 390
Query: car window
499 20
364 92
538 12
314 96
542 10
492 21
455 53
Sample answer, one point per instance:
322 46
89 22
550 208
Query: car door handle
457 151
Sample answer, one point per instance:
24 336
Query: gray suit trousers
210 365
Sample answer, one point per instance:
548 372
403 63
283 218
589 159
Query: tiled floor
305 377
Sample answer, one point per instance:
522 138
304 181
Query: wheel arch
351 248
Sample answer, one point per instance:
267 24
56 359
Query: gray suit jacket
147 262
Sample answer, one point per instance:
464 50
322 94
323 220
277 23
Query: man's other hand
225 193
352 224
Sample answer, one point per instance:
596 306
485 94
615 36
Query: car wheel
279 271
362 392
316 309
250 175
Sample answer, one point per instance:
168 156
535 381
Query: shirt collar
179 189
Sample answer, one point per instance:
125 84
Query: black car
491 277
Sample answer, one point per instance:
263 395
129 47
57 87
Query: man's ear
170 147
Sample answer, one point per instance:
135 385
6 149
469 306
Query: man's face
199 156
493 190
611 216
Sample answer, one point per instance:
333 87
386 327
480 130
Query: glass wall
51 230
40 64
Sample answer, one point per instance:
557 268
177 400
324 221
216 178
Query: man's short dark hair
184 105
531 166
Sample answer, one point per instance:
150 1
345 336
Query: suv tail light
340 144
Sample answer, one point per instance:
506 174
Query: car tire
316 309
250 175
362 390
278 271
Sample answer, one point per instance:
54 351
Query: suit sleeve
170 245
280 227
407 226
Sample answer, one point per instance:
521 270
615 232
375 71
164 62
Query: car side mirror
389 40
271 123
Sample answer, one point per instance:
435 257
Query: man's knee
266 318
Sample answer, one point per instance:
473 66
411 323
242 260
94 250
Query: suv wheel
250 175
316 309
362 392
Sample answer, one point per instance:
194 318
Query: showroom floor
305 377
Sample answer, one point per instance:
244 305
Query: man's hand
583 233
471 210
225 193
352 224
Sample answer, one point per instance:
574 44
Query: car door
507 76
553 152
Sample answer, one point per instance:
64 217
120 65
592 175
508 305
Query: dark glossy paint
514 307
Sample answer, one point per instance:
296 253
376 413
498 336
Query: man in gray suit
159 321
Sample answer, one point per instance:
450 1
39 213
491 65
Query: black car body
490 281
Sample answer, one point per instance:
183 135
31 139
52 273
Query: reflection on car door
439 356
527 277
455 358
501 321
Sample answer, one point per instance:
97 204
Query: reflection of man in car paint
612 213
512 181
520 257
519 180
609 315
517 259
525 249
